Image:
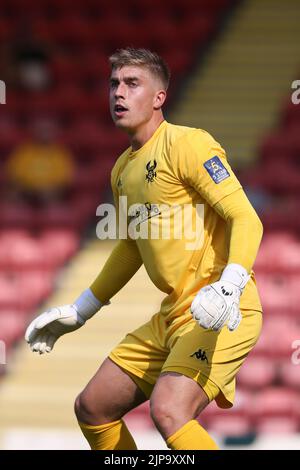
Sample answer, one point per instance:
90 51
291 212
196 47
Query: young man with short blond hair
190 351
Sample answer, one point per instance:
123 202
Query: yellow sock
110 436
191 436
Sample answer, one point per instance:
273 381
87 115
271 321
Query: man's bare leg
175 403
109 395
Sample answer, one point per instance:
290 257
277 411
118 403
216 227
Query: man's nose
120 91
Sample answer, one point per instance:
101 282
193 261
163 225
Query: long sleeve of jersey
245 228
202 164
122 264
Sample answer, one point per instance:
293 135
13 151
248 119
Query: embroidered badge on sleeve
216 169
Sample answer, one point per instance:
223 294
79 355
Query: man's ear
159 99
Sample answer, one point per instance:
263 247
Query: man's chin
121 124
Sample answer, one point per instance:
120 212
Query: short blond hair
142 58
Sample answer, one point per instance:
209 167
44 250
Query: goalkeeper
190 351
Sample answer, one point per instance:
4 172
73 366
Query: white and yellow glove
217 304
44 331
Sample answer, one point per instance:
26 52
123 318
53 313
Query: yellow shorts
210 358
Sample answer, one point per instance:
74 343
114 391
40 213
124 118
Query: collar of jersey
134 153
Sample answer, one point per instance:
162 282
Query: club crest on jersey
216 169
151 173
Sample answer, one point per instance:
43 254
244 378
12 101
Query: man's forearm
245 228
122 264
217 304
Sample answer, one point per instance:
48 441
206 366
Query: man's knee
109 395
77 407
176 399
84 409
165 416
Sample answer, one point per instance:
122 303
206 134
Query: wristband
87 305
236 274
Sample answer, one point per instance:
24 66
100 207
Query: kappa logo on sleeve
216 169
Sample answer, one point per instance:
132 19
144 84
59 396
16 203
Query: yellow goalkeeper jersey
167 190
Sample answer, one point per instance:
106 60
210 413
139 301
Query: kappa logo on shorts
200 354
216 169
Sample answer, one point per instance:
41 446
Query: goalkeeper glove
218 304
44 331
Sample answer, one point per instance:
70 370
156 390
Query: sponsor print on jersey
216 169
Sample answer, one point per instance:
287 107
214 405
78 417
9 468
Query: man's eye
133 84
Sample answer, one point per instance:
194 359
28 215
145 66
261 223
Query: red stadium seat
59 244
275 402
12 326
71 31
13 216
28 8
6 29
277 336
9 295
65 7
230 426
277 425
279 293
197 29
275 147
68 101
289 371
35 286
24 254
86 137
95 66
66 70
215 6
93 177
140 417
11 136
242 403
293 137
12 236
283 217
257 372
87 203
290 115
178 60
55 246
279 252
60 215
